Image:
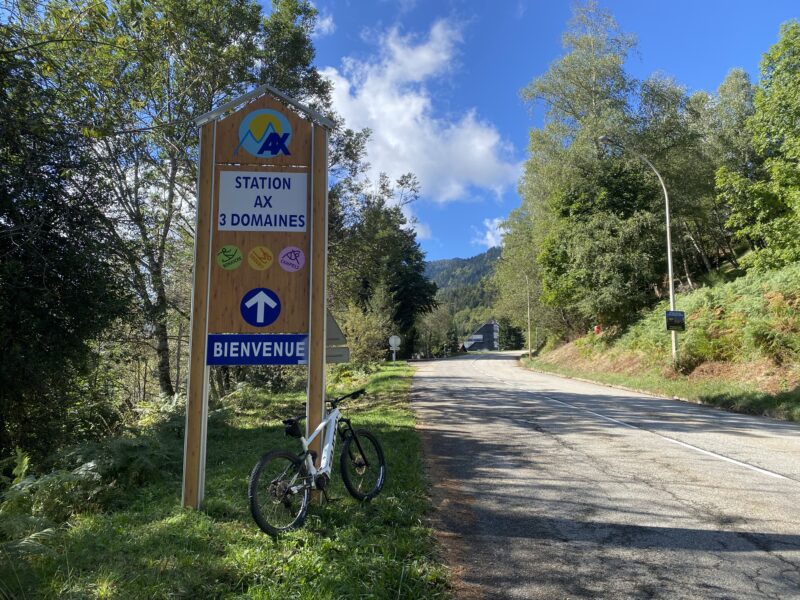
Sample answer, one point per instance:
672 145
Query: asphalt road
551 488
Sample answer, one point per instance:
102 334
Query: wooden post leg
315 408
194 450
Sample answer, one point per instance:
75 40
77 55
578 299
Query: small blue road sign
676 320
260 307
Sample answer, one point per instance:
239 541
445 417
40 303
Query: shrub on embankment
740 350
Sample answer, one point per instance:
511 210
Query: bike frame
328 424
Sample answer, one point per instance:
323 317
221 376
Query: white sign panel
259 201
337 354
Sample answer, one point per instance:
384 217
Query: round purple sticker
291 259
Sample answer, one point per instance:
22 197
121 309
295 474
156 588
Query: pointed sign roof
260 90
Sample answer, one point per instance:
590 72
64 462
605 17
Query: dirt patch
451 505
572 356
764 374
566 354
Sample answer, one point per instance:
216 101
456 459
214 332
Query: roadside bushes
755 316
84 478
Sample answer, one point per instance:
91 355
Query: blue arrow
267 307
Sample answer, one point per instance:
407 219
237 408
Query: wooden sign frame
221 293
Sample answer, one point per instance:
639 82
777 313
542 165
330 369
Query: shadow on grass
783 405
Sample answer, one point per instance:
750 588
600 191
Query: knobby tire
363 474
279 492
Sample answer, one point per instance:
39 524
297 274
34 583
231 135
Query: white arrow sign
260 300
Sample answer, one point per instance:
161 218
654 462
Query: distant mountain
467 293
453 273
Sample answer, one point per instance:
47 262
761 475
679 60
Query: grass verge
738 396
150 547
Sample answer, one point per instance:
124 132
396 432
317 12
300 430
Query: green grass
150 547
731 395
753 317
750 324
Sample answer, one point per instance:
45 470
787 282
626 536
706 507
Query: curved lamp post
604 139
528 288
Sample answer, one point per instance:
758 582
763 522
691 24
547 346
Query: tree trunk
144 381
5 438
731 253
178 358
162 350
698 248
686 271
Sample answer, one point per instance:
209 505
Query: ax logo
265 133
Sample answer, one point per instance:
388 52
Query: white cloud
325 25
450 156
423 231
492 235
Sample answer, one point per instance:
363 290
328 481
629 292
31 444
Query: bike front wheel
363 466
279 492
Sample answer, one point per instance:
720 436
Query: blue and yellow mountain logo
265 133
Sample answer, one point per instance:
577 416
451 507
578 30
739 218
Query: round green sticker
229 257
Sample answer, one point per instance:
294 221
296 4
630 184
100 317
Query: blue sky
438 83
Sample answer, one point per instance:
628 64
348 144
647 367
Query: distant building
486 337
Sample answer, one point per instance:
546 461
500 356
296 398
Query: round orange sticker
260 258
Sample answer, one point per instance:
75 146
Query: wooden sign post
260 254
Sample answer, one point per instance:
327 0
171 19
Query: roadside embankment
740 351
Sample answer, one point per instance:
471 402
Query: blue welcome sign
257 349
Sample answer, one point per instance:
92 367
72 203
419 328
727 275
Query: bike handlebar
334 403
354 395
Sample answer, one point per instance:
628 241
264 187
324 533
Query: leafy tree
367 327
151 68
58 284
511 337
593 234
437 332
587 88
517 278
765 202
380 248
590 232
720 142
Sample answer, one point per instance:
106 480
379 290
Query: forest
97 202
589 239
98 161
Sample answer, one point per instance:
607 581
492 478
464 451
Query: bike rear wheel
363 466
279 492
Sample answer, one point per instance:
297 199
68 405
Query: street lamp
604 139
528 287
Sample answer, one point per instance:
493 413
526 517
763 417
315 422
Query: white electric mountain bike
281 482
